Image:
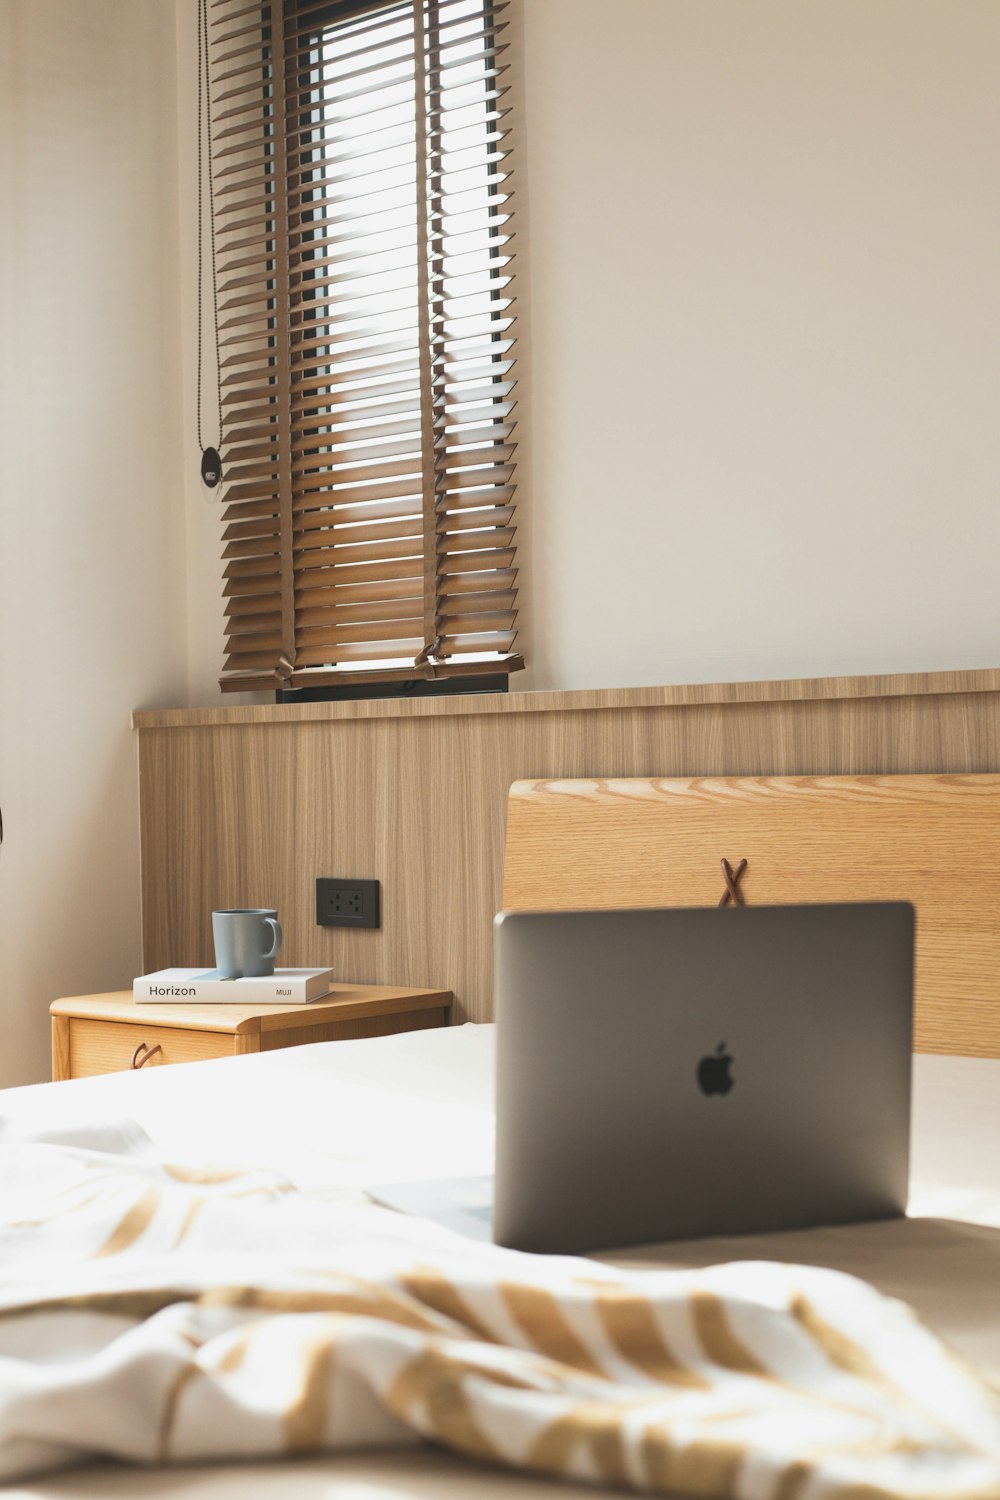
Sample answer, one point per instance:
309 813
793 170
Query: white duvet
156 1306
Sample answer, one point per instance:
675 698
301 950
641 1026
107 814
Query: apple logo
714 1076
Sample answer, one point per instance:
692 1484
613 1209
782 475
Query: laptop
667 1075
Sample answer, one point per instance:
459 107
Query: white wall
92 568
763 355
203 507
760 341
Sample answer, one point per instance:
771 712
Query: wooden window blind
363 211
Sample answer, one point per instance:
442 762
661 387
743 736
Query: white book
206 987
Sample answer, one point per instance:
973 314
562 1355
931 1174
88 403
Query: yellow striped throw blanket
157 1312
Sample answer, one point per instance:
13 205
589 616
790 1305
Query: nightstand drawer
114 1046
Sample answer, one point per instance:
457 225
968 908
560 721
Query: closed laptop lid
674 1074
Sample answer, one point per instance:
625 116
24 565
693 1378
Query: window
363 208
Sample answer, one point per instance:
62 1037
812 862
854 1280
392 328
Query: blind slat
373 614
330 595
316 552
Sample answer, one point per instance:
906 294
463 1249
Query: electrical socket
347 903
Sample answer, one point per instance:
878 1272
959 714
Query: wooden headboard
932 840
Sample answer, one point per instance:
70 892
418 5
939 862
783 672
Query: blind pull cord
211 459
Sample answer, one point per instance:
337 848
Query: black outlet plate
347 903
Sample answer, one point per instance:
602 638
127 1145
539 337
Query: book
207 987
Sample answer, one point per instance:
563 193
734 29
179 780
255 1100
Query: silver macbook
674 1074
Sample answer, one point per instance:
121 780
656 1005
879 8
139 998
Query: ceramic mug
246 941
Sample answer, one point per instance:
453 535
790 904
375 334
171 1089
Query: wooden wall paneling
249 805
982 681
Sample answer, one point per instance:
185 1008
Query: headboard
933 840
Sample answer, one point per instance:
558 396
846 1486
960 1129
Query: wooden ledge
684 695
345 1002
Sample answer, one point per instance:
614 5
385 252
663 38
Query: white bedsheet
420 1105
345 1113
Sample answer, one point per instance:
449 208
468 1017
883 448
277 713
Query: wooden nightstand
110 1033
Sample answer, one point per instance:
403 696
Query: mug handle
277 937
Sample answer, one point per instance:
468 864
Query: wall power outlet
347 903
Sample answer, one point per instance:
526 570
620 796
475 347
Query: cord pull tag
211 467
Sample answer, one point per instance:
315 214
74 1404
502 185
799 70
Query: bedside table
111 1033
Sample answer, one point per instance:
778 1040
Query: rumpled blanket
155 1311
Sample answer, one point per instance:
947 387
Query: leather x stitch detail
732 879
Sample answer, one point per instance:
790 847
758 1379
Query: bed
788 1357
417 1106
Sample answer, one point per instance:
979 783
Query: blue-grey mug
246 941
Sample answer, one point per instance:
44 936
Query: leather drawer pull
732 879
147 1053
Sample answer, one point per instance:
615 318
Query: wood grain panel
248 809
592 845
60 1049
108 1046
343 1031
678 695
